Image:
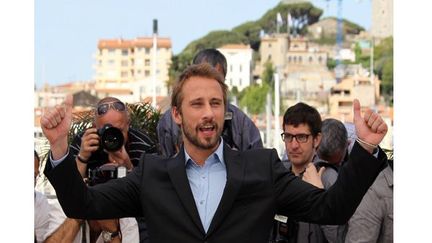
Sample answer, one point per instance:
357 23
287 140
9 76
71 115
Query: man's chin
297 162
209 143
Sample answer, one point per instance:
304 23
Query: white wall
239 63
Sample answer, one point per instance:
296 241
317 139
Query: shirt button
203 177
201 202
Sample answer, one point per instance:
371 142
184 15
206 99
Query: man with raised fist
209 192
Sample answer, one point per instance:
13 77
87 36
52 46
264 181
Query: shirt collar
218 154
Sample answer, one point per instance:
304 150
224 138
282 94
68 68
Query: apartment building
239 65
354 87
122 64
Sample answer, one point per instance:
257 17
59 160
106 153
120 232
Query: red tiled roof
114 91
162 42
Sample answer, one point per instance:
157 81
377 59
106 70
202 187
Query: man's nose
208 112
294 143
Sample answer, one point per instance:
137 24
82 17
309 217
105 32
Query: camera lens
111 138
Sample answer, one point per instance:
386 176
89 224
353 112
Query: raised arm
55 125
306 203
370 128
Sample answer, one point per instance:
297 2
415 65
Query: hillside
304 14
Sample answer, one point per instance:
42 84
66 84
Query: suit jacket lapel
235 172
177 173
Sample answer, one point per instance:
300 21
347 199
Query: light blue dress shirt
207 183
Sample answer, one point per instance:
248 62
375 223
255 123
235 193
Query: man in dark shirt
93 161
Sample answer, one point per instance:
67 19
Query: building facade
239 65
120 64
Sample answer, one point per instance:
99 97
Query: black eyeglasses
301 137
102 109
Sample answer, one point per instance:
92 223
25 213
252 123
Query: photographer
108 150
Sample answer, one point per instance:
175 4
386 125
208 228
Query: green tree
143 117
254 98
383 66
234 92
246 33
267 75
328 37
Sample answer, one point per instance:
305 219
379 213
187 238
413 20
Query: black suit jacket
257 187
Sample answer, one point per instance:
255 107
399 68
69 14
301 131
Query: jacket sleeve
167 132
114 199
252 134
307 203
331 232
372 218
245 134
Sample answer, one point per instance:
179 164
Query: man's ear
176 115
317 140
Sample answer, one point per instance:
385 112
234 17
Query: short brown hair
196 70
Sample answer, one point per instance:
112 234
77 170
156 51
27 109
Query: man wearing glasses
302 135
91 161
209 192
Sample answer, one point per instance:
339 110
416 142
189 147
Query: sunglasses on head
102 109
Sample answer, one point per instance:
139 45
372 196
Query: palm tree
143 116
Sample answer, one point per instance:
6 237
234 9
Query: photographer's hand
89 144
121 157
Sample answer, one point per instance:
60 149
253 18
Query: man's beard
209 143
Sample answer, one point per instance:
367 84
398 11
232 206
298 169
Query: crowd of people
208 177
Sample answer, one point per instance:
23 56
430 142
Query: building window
124 63
289 59
111 51
300 59
147 51
240 82
295 59
147 62
125 52
147 73
124 74
269 45
240 68
310 59
111 62
319 59
269 57
111 74
231 82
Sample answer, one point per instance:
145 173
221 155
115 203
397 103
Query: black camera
105 173
111 138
